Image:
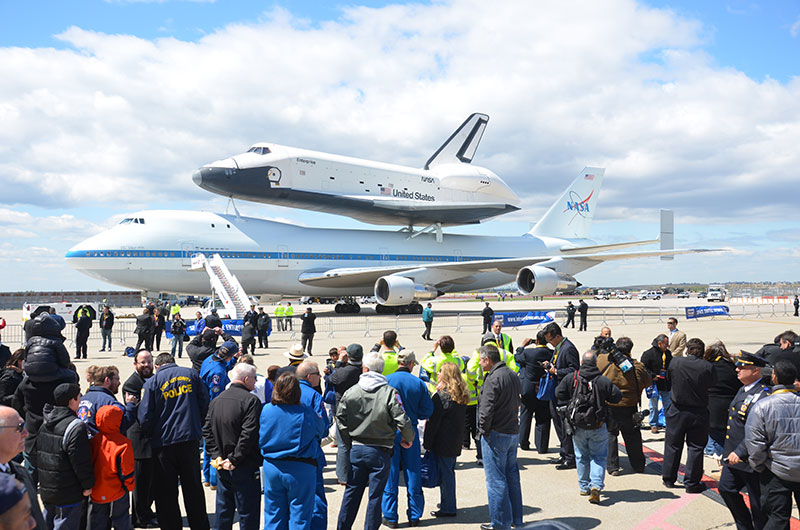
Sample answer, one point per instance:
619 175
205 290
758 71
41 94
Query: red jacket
112 455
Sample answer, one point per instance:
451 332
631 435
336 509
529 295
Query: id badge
662 374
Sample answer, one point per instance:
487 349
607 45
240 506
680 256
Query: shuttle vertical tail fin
572 214
462 144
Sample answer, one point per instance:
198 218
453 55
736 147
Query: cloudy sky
108 107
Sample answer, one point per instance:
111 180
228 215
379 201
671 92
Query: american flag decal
588 177
387 190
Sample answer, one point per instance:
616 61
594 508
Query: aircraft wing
451 272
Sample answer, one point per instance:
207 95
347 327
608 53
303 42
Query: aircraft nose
197 178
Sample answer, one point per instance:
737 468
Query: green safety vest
390 364
433 363
289 311
279 311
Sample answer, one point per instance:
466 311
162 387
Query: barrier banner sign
707 311
231 327
525 318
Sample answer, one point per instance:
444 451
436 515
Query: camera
606 345
640 415
567 424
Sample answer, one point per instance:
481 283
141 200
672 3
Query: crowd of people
97 459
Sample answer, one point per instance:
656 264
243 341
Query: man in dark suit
737 473
144 464
565 361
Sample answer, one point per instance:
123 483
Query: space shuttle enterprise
447 191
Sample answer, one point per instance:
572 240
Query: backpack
585 410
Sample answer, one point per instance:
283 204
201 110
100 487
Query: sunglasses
19 427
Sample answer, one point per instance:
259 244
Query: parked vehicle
623 295
602 294
684 294
650 295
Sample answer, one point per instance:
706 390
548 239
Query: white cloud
19 224
795 29
123 120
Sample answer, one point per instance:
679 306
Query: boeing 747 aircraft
152 251
448 191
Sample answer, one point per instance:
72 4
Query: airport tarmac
629 501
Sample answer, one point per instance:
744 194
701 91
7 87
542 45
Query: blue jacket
97 397
214 373
414 393
427 314
174 406
290 431
313 399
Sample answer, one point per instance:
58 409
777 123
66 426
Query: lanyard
664 361
558 350
781 391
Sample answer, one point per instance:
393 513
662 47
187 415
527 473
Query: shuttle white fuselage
448 191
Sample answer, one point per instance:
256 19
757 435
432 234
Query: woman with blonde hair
444 433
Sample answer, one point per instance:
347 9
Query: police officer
687 417
173 407
737 473
570 315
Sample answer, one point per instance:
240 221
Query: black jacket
145 324
213 321
583 307
530 361
444 430
343 377
197 350
308 325
142 448
106 321
606 390
30 400
263 322
83 325
248 332
5 355
231 427
252 317
158 323
721 393
9 381
64 462
46 358
498 402
654 362
487 314
567 360
691 378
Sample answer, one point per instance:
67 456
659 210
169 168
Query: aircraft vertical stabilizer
462 144
571 215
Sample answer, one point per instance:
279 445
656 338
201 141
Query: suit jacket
741 405
677 343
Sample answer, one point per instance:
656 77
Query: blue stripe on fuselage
272 255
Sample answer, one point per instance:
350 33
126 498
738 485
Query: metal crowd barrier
375 325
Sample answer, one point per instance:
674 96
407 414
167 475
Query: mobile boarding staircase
224 284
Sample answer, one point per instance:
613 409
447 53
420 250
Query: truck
716 292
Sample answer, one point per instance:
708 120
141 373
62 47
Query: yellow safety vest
433 363
289 311
279 311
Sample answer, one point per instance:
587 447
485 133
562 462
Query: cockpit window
126 221
259 150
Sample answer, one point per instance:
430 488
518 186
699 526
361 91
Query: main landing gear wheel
347 308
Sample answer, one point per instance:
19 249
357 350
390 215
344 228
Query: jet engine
397 290
542 281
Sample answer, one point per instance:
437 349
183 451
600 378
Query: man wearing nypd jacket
173 407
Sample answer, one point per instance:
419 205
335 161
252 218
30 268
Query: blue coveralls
214 373
312 398
419 406
289 438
